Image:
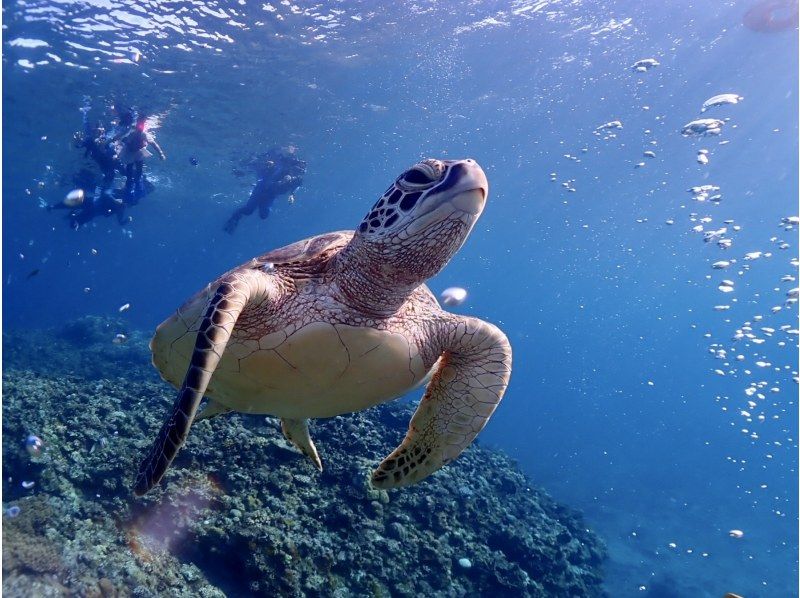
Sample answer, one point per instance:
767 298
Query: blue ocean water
620 404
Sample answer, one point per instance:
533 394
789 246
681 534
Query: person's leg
108 181
119 209
128 179
265 203
245 210
139 167
136 191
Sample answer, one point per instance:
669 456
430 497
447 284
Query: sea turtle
341 322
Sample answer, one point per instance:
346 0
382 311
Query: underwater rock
239 499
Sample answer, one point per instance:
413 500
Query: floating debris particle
702 157
13 511
614 124
790 221
736 533
703 126
28 485
453 296
120 339
726 286
713 235
641 66
721 100
721 265
125 307
703 192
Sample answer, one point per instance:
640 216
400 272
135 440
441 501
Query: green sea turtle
341 322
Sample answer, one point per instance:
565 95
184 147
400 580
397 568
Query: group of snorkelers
123 149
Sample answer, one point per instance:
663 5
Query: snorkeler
133 152
96 147
104 205
85 204
279 173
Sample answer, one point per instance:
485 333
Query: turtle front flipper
465 389
296 432
232 295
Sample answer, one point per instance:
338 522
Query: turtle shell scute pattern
306 249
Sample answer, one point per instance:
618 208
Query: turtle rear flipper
465 389
296 432
212 409
230 298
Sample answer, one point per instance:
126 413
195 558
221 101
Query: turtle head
423 218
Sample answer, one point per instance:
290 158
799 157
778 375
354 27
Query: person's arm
154 143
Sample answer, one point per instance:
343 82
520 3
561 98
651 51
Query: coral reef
241 513
84 347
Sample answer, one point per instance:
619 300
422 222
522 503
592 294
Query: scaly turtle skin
341 322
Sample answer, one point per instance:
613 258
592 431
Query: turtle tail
231 297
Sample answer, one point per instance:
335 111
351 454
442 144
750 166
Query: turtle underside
306 355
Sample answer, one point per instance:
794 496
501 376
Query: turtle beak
471 187
460 195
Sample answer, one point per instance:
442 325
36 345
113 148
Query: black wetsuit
284 177
99 151
103 204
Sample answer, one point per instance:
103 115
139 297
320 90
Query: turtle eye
417 176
